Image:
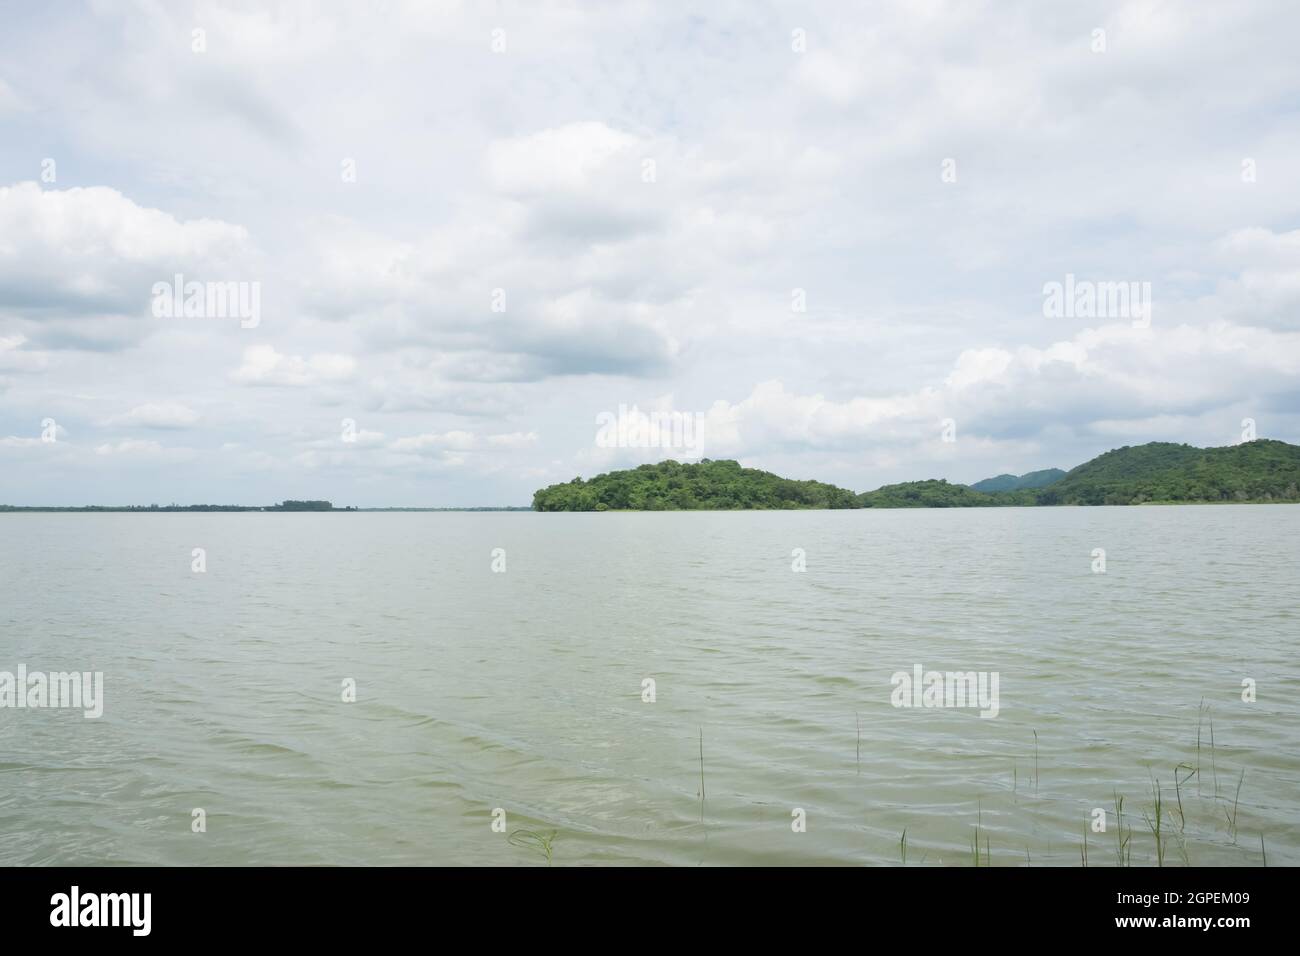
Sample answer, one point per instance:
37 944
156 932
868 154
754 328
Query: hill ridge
1263 470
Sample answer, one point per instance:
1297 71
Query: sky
467 236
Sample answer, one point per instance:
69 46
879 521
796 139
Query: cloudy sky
820 230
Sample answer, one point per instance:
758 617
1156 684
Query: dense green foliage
937 493
1257 471
672 486
1033 479
1261 470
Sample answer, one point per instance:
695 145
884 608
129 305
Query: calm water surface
523 690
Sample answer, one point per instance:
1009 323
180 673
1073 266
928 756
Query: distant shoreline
1261 471
218 509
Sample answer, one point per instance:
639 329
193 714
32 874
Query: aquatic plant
533 840
701 774
1155 825
1123 850
1232 817
975 843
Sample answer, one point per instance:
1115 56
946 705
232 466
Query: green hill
1033 479
935 493
708 485
1257 471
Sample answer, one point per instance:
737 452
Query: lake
525 689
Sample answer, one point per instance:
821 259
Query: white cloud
513 440
1266 287
15 358
133 451
158 415
1099 374
458 440
10 101
263 365
567 158
77 266
130 447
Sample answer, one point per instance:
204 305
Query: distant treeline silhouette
289 505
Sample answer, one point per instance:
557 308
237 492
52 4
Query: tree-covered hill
1261 470
1257 471
936 493
708 485
1033 479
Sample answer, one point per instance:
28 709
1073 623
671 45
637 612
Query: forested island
1156 473
708 485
